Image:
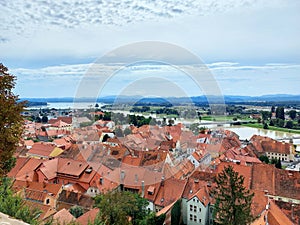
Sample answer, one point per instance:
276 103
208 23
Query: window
195 218
199 209
191 208
195 208
199 220
47 201
191 217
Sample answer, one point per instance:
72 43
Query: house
271 148
65 171
169 192
43 150
67 199
43 193
196 202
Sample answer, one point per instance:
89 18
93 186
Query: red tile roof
171 190
89 216
63 216
27 172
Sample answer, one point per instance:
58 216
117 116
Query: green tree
76 211
265 126
127 131
280 113
176 213
292 114
14 206
45 119
117 207
265 115
11 120
289 124
278 164
119 132
233 200
264 159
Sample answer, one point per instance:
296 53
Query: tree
117 207
292 114
264 159
176 213
11 120
278 164
280 113
265 115
13 205
76 211
289 124
265 126
127 131
233 200
119 132
45 119
272 109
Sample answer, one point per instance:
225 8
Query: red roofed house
170 191
66 171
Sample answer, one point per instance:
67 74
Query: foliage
119 132
289 124
292 114
14 206
76 211
264 159
280 112
176 213
117 207
265 115
11 120
265 126
233 200
152 219
127 131
45 119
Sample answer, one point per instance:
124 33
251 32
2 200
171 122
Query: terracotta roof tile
87 217
63 216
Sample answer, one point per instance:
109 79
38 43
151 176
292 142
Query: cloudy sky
250 47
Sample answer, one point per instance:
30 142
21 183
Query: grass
259 125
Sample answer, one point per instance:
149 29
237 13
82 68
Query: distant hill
203 100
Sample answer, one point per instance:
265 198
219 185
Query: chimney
78 196
162 181
143 189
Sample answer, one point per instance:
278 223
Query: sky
248 47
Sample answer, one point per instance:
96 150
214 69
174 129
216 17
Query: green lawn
259 125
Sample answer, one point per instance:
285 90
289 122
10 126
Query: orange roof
171 190
60 124
276 216
241 169
132 160
27 172
41 149
19 164
37 189
63 216
65 119
63 166
87 217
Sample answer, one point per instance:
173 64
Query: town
66 161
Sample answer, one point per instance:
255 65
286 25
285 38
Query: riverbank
260 126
